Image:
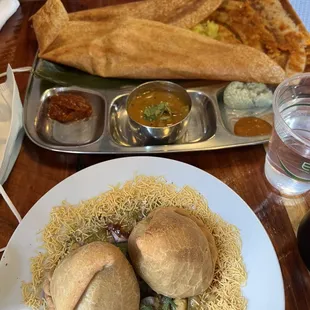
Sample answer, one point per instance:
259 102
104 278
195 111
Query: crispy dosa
49 22
266 26
262 24
95 276
181 13
173 252
138 48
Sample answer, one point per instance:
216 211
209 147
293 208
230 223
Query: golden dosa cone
181 13
137 48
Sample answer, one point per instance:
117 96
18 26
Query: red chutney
68 107
252 126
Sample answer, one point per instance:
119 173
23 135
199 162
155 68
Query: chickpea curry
157 108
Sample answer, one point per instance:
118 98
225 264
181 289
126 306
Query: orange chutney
252 126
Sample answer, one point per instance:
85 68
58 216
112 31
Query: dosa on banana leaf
138 48
270 26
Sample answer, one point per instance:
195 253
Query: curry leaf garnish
123 246
146 307
156 111
168 303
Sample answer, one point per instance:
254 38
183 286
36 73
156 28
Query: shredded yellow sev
71 226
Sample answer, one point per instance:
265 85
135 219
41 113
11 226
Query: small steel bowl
167 134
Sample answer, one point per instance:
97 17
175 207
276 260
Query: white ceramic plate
264 289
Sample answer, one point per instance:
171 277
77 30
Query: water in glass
287 165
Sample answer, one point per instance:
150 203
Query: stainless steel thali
108 131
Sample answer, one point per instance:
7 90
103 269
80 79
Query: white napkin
7 9
302 8
11 124
11 130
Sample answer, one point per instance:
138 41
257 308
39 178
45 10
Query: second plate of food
144 233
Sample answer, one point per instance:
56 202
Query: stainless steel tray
108 131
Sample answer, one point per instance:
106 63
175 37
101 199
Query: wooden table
37 170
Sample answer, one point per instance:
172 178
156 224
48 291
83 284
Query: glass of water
287 165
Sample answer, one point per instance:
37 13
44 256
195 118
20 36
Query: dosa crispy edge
181 13
138 48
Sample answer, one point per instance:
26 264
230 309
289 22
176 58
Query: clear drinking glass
287 165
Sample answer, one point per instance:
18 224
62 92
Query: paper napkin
11 124
7 9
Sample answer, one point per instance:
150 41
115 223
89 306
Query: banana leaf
64 75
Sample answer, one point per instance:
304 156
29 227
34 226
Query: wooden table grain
37 170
